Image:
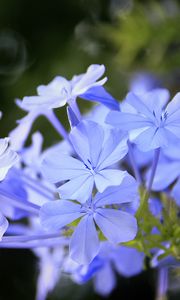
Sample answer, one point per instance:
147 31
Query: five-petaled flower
116 225
150 123
97 150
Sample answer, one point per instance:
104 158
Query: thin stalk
26 206
37 183
37 190
46 242
162 283
57 125
73 104
26 238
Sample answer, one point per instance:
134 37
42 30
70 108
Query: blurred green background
42 39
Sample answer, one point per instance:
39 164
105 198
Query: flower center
90 167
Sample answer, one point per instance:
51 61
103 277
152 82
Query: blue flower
61 91
169 160
175 193
150 123
12 187
116 225
126 261
50 262
8 157
97 150
3 225
19 135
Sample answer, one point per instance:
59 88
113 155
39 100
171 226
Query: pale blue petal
117 226
114 148
98 114
152 138
56 214
174 128
78 188
165 174
44 102
8 158
20 134
176 192
57 167
172 151
88 80
108 177
156 100
128 261
84 245
137 101
105 280
87 139
99 94
59 86
127 121
3 145
126 192
3 225
173 106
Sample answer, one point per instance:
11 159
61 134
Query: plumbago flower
125 260
116 225
7 159
19 135
97 151
150 123
61 91
55 95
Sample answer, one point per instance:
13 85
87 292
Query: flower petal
114 148
56 214
165 174
87 139
105 280
57 167
127 121
127 191
84 244
105 178
128 261
152 138
89 78
78 188
44 102
117 226
99 94
3 225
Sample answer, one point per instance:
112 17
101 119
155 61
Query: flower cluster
106 196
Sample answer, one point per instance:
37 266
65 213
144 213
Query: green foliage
147 37
168 226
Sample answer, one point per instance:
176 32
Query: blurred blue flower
8 157
124 260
